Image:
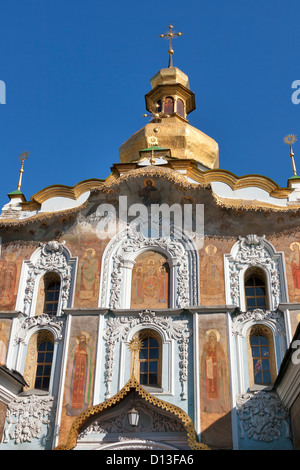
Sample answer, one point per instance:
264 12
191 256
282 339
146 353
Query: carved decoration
251 251
52 257
86 416
262 416
55 324
273 319
125 244
156 421
118 330
28 414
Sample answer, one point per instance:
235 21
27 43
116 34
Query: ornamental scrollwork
26 417
118 329
124 246
156 421
262 416
39 321
51 257
273 319
252 251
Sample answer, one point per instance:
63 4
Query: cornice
192 179
60 190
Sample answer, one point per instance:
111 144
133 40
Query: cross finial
290 140
170 35
22 158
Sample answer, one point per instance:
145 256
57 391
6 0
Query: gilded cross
170 35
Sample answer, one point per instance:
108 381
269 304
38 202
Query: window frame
256 272
136 361
264 331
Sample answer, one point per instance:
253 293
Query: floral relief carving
252 251
26 416
273 319
153 421
39 321
52 257
262 416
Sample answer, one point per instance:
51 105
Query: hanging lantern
133 417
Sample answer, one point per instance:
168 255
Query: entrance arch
106 426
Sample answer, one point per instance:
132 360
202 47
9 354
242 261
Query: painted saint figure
149 194
150 281
214 375
79 376
295 264
87 276
8 276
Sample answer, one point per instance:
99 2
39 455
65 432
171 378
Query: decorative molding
120 327
261 416
156 421
272 319
254 251
28 414
126 245
85 417
50 257
55 324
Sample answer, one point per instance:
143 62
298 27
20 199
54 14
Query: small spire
290 140
22 158
170 35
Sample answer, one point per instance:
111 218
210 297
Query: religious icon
3 344
149 194
87 276
8 276
150 281
295 264
214 373
79 377
211 269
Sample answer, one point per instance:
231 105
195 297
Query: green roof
294 177
15 192
153 148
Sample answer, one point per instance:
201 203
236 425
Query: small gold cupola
169 102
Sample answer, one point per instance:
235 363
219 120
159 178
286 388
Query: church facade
153 309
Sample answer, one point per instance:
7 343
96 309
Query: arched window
51 297
255 290
150 281
44 365
169 105
180 107
39 359
158 107
146 357
48 294
262 367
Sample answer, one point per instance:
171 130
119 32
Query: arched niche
51 257
150 282
119 259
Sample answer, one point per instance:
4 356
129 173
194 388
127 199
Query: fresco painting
150 281
214 381
211 276
5 327
8 279
87 286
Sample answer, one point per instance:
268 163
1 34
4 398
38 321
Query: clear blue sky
76 72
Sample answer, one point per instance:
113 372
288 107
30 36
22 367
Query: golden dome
170 101
184 141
